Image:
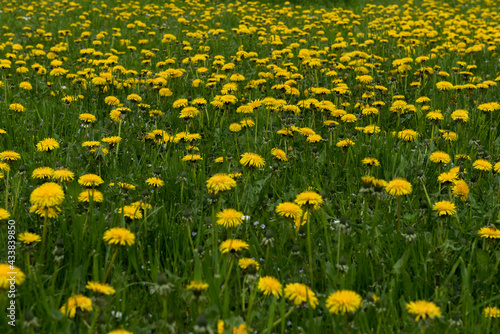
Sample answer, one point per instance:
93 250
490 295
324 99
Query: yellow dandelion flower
445 208
482 165
119 236
492 312
398 187
90 194
155 182
113 140
9 156
444 85
343 301
63 175
490 232
234 127
7 271
423 309
131 211
309 199
229 218
370 162
197 286
220 182
252 160
244 263
42 211
134 98
42 173
119 331
101 288
90 180
269 285
192 157
47 195
47 145
232 245
345 143
29 238
299 293
76 302
460 189
440 157
4 214
289 210
460 115
279 154
16 107
408 135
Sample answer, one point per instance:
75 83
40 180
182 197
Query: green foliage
349 242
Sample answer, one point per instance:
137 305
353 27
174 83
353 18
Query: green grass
354 243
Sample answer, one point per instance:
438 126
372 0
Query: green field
234 167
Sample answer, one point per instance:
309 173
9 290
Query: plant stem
228 274
7 190
399 214
44 234
110 265
277 322
309 248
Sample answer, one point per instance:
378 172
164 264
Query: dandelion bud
28 315
60 243
410 235
162 279
59 252
410 230
342 265
343 220
30 321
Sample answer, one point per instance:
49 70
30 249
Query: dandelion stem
16 197
399 214
28 264
110 265
277 322
7 190
44 234
226 282
94 320
250 303
236 144
309 248
426 194
327 239
165 308
118 145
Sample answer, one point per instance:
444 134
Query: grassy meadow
249 167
